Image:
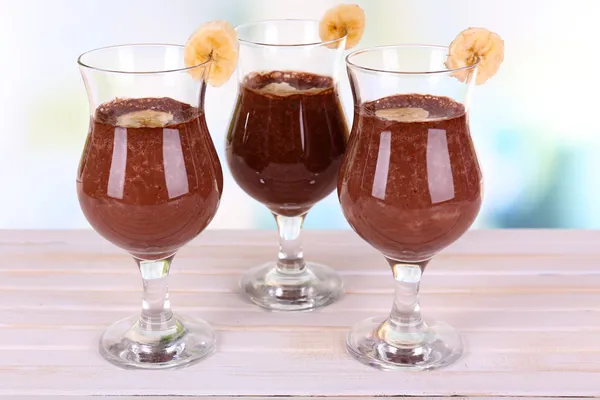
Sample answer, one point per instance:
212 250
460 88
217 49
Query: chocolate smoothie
151 188
410 184
286 140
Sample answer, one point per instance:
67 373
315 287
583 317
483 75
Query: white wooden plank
130 301
474 242
466 320
137 397
479 253
275 339
209 261
83 281
134 397
327 359
305 377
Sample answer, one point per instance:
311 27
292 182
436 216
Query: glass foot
186 342
440 346
316 286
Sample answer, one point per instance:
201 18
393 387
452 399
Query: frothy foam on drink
150 112
287 83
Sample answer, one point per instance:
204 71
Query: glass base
316 286
439 347
124 345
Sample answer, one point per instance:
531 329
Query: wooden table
527 303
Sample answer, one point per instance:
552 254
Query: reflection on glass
382 166
176 175
439 169
116 177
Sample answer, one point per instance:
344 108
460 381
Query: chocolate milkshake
154 185
286 140
410 184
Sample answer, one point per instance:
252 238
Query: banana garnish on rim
472 45
216 41
344 19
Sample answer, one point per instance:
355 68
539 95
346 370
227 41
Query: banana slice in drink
472 45
344 19
406 114
216 41
144 119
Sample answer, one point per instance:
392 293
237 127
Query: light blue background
534 124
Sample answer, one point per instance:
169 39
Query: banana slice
408 114
475 44
285 89
344 19
144 119
215 41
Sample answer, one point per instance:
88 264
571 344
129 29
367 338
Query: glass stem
405 325
291 258
156 307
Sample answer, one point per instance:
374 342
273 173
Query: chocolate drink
410 188
149 190
286 139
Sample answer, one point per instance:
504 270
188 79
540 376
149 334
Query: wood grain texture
58 397
526 301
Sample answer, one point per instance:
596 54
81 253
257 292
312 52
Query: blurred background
532 123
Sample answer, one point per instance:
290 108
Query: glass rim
135 45
289 45
398 72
